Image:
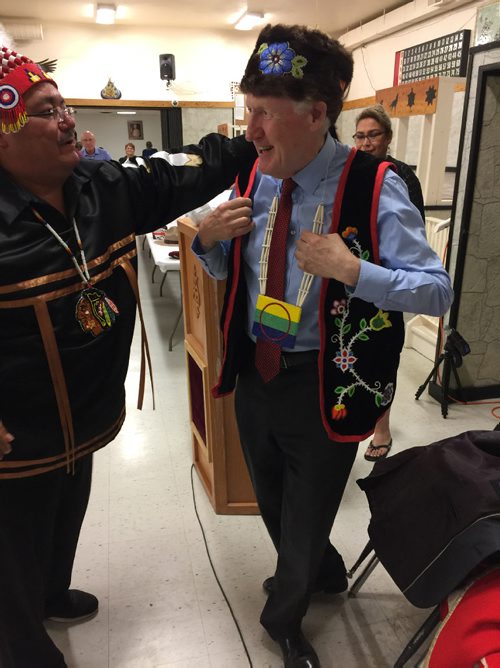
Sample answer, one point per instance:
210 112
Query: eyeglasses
59 114
373 134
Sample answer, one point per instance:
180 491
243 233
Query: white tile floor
142 550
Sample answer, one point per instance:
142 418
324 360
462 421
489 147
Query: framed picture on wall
135 130
488 24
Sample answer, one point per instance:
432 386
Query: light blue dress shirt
411 276
98 154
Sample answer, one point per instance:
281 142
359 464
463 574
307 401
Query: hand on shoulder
326 255
229 220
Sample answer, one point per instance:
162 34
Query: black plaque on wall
444 56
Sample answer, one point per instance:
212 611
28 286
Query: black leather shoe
298 652
74 607
333 587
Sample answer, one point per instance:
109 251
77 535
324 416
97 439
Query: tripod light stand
454 349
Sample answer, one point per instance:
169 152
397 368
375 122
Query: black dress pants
40 521
299 476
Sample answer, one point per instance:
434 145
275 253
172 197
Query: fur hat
301 64
17 75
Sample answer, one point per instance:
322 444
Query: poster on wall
444 56
488 24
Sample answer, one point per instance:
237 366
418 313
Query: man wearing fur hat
68 289
312 320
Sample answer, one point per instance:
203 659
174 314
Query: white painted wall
374 63
205 62
374 54
111 130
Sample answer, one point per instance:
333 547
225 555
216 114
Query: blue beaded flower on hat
279 59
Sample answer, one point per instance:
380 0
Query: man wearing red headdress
68 289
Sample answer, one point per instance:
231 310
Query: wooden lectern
217 452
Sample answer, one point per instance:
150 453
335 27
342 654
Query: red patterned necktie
267 353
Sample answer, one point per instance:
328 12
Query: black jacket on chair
436 513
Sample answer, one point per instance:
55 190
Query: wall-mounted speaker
167 66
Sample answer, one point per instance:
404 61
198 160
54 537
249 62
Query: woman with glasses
373 135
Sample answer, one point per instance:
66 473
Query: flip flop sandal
374 458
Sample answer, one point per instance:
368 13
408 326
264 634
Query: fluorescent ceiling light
105 14
249 20
126 112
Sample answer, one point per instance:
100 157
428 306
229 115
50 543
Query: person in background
312 323
374 135
130 159
68 280
90 150
149 150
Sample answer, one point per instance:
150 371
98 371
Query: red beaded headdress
17 75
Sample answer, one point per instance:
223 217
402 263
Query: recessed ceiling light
105 14
249 20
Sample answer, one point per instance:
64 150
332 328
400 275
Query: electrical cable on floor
215 574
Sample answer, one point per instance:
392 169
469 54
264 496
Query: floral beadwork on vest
349 340
361 343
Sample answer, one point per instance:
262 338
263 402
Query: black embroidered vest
359 344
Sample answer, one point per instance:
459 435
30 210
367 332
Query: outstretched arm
172 184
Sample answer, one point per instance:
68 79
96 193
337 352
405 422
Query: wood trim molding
147 104
361 102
